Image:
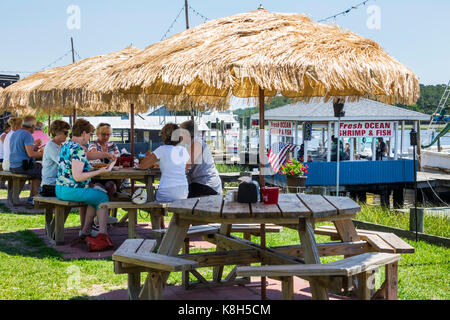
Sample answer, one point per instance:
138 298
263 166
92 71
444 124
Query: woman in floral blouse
73 180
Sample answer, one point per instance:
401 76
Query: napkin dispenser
247 191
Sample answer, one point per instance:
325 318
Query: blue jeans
89 196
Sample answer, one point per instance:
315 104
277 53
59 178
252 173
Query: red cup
270 195
125 161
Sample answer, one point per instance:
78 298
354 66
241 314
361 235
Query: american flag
277 155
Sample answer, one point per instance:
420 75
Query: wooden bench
56 213
157 211
379 241
194 231
16 182
363 266
135 256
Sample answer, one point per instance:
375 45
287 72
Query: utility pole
73 118
186 13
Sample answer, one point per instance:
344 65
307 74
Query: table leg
10 191
132 221
311 255
18 185
48 222
134 285
347 232
170 245
225 229
59 225
150 189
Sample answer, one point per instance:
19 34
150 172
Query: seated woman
73 178
173 162
59 130
103 146
204 179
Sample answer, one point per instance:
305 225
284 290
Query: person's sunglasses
106 134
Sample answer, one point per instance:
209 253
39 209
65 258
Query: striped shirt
96 146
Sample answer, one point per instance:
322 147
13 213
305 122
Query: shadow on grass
5 209
27 244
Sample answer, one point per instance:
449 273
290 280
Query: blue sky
35 33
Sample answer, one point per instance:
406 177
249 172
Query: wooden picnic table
299 211
146 176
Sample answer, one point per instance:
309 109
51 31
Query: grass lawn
31 270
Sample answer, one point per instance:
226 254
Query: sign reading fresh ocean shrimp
377 129
283 128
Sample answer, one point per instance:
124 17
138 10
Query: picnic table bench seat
57 211
16 182
379 241
363 266
135 256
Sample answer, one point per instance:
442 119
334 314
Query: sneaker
112 220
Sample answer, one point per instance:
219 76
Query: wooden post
412 219
391 271
74 115
374 149
262 148
401 138
396 140
329 143
352 149
419 148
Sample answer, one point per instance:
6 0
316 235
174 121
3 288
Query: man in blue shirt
23 155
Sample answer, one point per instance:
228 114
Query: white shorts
172 194
5 165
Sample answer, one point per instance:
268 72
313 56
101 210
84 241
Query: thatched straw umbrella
258 55
19 97
64 90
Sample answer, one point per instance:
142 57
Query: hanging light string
198 14
343 13
57 60
173 23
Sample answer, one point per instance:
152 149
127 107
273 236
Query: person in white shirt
2 140
16 124
173 161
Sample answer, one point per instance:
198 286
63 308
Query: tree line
430 95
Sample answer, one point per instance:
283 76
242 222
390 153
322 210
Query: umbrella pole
74 115
261 177
132 142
